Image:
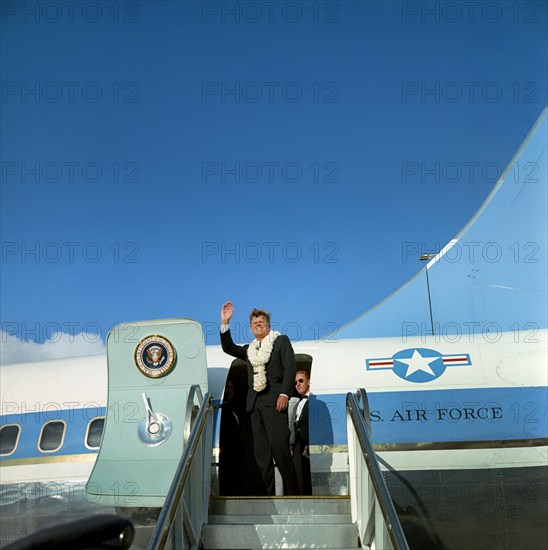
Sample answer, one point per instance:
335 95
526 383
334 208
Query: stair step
254 519
279 536
280 505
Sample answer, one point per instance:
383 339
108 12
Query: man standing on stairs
270 374
301 449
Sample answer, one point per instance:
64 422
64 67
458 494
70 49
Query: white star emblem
418 362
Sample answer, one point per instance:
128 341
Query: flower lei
258 354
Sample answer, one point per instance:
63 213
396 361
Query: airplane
454 363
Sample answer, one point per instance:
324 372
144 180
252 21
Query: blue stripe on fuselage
31 423
479 414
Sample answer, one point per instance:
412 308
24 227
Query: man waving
270 375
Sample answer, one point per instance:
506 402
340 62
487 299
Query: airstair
278 522
191 518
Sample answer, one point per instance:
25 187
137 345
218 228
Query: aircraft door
152 366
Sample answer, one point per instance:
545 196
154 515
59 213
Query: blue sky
159 158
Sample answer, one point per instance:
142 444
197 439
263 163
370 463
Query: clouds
59 345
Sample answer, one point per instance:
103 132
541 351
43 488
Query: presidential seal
155 356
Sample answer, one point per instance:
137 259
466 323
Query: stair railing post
352 470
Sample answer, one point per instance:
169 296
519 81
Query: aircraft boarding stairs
191 518
279 522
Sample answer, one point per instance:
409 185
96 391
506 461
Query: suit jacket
301 455
280 369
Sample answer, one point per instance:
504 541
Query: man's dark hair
259 313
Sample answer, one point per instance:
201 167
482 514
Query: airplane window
9 437
51 436
94 433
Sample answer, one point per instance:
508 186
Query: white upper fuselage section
496 361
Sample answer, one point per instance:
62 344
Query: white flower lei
258 354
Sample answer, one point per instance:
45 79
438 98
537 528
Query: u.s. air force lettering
155 356
490 412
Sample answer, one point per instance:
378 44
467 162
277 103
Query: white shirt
300 406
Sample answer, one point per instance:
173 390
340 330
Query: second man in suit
301 443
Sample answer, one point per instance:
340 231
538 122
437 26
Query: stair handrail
375 514
176 517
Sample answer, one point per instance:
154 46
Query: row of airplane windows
52 436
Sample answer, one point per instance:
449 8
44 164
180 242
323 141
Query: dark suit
231 458
270 428
301 452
